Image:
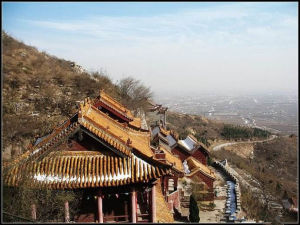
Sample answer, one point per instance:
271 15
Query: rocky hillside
40 91
272 168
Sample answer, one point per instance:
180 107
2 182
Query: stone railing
226 170
173 200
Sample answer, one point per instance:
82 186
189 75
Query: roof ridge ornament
129 142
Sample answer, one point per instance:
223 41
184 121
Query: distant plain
275 112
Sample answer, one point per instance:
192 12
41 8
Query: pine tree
194 210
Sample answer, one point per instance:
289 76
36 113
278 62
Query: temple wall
207 180
173 200
182 155
200 156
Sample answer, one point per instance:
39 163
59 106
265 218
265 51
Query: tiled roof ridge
77 152
34 153
55 131
201 168
193 138
176 166
201 171
204 147
179 142
153 159
136 123
162 137
164 131
121 126
107 103
105 134
141 140
108 99
174 135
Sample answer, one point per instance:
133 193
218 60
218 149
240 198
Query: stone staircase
184 203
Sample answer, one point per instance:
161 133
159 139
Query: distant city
277 113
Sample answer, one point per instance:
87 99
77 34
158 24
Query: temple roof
75 169
164 135
121 135
59 134
115 105
171 140
190 144
164 131
174 160
195 166
45 165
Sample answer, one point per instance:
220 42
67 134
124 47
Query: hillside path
218 147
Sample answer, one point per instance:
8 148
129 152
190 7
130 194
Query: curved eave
83 171
201 171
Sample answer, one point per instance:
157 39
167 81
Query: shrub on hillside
239 132
49 203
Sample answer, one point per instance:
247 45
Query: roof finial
129 141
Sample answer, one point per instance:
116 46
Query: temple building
193 154
196 155
105 151
191 147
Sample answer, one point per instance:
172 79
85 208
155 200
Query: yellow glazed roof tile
140 140
73 169
115 104
164 131
136 122
173 159
195 165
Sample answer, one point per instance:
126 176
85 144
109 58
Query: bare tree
133 93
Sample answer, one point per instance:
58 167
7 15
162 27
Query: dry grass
274 165
37 83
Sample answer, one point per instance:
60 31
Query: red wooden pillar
133 205
153 204
67 212
166 185
33 211
100 207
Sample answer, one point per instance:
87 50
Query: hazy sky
193 46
